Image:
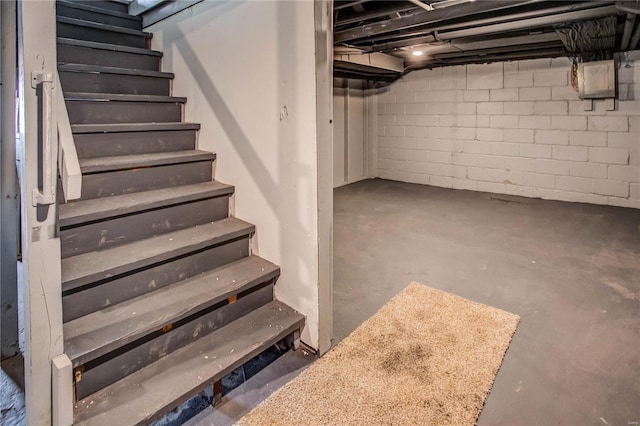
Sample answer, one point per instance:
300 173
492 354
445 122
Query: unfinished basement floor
571 271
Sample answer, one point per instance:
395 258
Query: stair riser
123 230
134 359
69 54
144 281
86 15
119 182
113 112
102 36
114 83
90 145
104 4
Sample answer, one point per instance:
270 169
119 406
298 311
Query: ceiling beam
508 25
377 13
423 17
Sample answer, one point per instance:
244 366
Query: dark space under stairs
161 295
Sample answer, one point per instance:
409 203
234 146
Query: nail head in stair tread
85 68
79 212
161 386
100 10
123 162
107 46
104 27
120 97
101 332
132 127
86 268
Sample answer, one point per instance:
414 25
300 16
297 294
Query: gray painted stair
155 273
100 79
104 140
101 15
71 51
136 399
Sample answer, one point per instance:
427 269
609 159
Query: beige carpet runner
425 358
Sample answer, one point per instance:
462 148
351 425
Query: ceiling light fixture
417 53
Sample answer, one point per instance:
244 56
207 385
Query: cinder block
441 96
586 138
466 184
555 78
609 155
624 173
394 109
482 120
476 95
485 76
521 164
490 108
441 181
518 135
387 97
630 107
610 187
393 153
477 160
534 64
380 129
418 85
425 120
609 124
534 122
489 135
441 157
476 147
564 122
552 137
387 120
449 145
463 133
538 180
518 108
457 120
518 80
405 120
634 190
560 63
564 93
494 175
448 83
406 97
510 67
588 170
535 93
504 121
552 167
414 132
571 153
394 130
386 164
415 109
504 149
577 184
621 140
497 95
535 151
397 142
551 108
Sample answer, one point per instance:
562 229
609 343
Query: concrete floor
571 271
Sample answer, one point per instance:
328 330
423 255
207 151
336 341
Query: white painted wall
248 70
515 128
350 132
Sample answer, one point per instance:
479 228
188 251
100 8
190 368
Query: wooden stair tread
96 334
120 162
86 268
78 212
99 10
132 127
120 97
161 386
107 46
99 69
99 26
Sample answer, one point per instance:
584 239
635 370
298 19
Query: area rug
425 358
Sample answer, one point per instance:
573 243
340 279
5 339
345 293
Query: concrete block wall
514 128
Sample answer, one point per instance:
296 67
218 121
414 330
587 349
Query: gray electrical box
597 80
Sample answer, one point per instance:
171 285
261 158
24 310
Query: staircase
161 294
